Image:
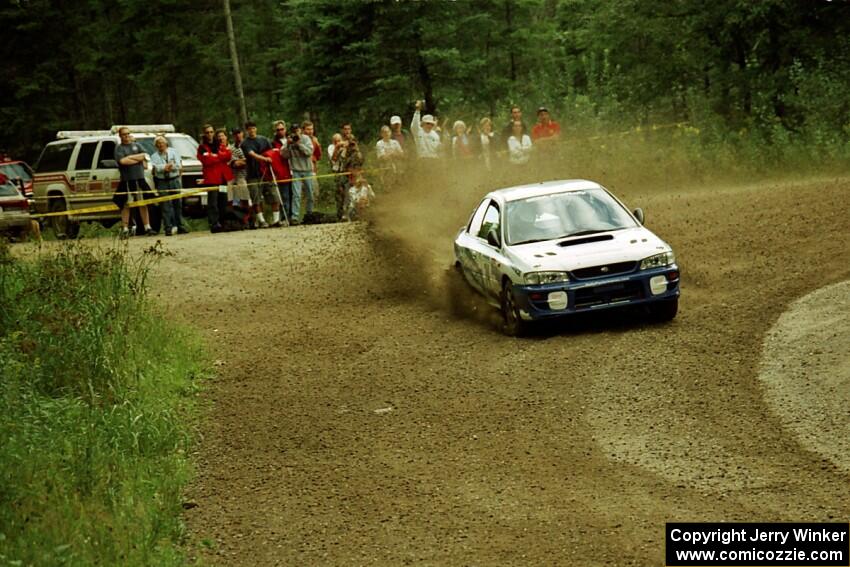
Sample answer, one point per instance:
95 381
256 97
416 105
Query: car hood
626 245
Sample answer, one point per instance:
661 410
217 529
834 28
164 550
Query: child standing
359 196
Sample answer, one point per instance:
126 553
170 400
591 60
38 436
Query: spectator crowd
247 174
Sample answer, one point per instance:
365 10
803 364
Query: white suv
78 171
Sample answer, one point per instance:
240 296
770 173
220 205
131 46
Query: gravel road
357 418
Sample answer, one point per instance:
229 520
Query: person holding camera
349 161
301 164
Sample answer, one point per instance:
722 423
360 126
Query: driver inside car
529 221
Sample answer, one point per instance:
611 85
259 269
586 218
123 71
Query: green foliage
93 395
777 68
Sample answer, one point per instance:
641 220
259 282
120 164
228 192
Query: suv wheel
62 226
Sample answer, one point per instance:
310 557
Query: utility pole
234 57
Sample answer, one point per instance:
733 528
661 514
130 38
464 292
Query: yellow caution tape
182 194
87 210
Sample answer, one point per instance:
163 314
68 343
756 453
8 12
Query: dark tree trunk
740 57
509 20
173 99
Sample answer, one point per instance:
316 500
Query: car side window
491 221
107 151
85 156
475 223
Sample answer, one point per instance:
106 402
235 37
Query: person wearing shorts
254 146
131 158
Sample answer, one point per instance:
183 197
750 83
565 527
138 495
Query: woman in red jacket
215 159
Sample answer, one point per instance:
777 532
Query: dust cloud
414 222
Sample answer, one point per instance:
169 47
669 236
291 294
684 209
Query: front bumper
14 220
640 287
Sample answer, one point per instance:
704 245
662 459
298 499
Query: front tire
662 311
62 226
512 323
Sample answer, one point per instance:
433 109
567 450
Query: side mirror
108 164
638 213
493 238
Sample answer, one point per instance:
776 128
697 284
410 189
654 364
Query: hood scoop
586 240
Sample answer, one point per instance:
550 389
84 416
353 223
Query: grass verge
95 390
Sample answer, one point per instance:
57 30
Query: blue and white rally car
551 249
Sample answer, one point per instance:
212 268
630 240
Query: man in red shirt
546 133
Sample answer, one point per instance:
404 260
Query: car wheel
62 226
664 310
512 323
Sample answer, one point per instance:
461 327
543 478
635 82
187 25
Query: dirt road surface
355 421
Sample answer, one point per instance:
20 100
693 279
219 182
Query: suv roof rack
65 134
145 128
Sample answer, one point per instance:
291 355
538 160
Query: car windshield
560 215
8 188
186 147
15 171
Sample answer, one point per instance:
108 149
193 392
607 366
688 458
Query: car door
81 172
105 175
489 258
469 249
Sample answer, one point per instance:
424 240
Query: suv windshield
185 146
560 215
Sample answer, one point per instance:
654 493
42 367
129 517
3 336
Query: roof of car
543 188
109 136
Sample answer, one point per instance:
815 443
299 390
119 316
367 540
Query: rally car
552 249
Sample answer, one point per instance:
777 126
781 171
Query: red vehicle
19 173
14 208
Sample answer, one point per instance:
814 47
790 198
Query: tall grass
93 405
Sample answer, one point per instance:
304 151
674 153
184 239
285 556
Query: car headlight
658 260
537 278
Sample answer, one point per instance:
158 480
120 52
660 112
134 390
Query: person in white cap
427 140
398 133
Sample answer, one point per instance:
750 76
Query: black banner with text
767 544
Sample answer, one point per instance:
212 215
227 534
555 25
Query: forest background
752 80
